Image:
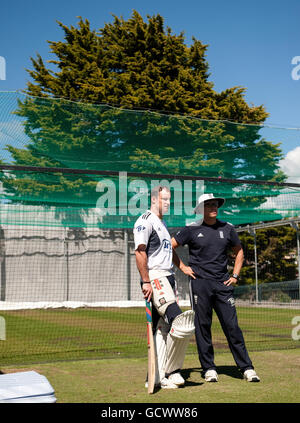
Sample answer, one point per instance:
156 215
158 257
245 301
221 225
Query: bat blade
151 350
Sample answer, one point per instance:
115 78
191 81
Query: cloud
290 165
287 204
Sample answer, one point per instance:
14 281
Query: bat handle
148 311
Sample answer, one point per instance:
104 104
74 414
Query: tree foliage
276 255
138 66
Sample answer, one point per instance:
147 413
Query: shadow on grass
186 373
231 371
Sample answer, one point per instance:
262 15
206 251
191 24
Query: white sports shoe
211 376
166 383
251 376
177 379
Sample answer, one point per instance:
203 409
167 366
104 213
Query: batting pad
160 339
27 387
183 325
177 341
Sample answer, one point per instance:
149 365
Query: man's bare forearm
176 259
142 265
239 259
179 263
141 262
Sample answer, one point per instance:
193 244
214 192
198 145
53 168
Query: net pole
298 256
253 233
256 272
66 257
2 266
127 264
67 270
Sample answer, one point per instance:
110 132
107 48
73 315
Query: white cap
206 197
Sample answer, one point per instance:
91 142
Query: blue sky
251 44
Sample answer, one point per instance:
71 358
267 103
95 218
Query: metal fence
271 267
44 264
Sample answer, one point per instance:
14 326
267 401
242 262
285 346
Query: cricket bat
151 350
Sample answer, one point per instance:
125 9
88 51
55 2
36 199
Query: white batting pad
178 338
25 387
160 340
183 324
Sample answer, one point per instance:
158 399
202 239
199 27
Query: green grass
121 380
37 336
99 356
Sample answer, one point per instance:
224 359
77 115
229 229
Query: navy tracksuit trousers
208 295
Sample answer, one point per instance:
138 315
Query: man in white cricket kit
154 258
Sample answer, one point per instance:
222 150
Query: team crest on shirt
221 234
140 228
166 244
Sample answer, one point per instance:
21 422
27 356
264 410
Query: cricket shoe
211 376
166 383
177 379
251 376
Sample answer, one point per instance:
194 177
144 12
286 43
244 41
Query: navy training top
208 248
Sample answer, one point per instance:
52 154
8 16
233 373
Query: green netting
56 133
93 201
67 259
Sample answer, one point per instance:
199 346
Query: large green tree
136 65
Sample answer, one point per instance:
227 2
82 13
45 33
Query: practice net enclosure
74 179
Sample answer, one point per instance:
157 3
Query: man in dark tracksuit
209 241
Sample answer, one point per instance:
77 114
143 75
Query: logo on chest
166 245
221 234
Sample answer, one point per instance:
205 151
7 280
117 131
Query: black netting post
127 264
2 265
253 233
296 226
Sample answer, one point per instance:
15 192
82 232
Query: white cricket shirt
149 230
